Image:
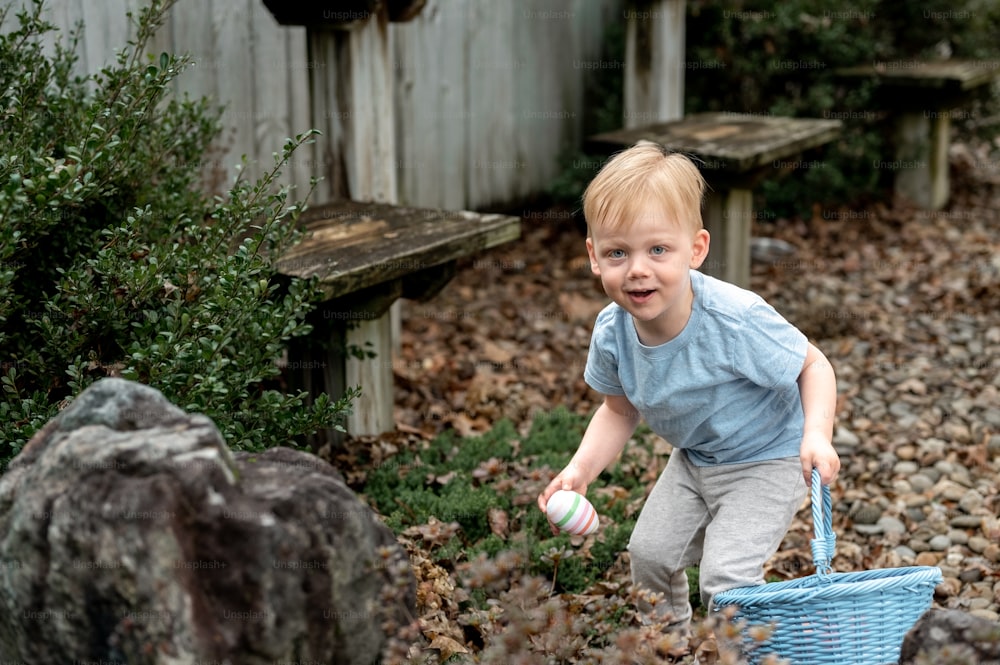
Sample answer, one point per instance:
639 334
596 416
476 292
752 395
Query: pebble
905 553
979 603
958 537
927 558
921 482
970 501
932 473
989 615
967 521
949 490
869 529
891 524
949 587
971 575
953 559
845 437
932 447
949 572
865 513
900 486
978 544
940 542
906 453
905 468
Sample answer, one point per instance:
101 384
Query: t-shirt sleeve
601 372
768 349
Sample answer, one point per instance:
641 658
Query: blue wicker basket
857 618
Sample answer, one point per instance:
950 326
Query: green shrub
113 261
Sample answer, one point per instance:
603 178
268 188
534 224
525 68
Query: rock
940 543
869 529
865 513
949 586
986 615
949 489
979 603
845 437
970 575
958 537
970 501
951 636
133 525
978 544
966 521
921 482
891 524
927 558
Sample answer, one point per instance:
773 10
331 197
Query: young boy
744 398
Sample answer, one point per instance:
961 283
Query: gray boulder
129 533
953 637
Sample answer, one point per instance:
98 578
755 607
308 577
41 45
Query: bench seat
365 256
921 96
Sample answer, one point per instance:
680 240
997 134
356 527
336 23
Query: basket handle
824 542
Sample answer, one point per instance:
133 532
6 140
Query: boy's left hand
817 452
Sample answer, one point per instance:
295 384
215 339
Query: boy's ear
594 267
699 249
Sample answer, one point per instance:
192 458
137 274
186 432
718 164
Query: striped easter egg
572 513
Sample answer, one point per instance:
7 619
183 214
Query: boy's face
643 266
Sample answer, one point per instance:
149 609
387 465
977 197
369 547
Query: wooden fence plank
433 118
475 86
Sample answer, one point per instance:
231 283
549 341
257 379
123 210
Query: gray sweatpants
729 519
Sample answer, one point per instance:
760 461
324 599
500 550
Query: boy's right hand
571 478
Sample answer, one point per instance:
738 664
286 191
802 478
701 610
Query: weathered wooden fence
488 95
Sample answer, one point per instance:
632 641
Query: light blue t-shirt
725 389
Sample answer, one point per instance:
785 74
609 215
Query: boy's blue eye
659 249
617 254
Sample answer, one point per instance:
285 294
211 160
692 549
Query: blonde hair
647 173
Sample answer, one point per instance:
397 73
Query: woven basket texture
855 618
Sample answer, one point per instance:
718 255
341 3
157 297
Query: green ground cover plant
485 558
481 490
115 261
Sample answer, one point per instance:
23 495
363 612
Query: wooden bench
735 152
921 97
366 256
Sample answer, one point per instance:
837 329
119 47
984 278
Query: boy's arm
818 391
608 432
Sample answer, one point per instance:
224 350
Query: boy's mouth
640 296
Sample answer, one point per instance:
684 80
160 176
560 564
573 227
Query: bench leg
728 217
922 153
373 410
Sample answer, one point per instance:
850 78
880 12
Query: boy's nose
637 268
